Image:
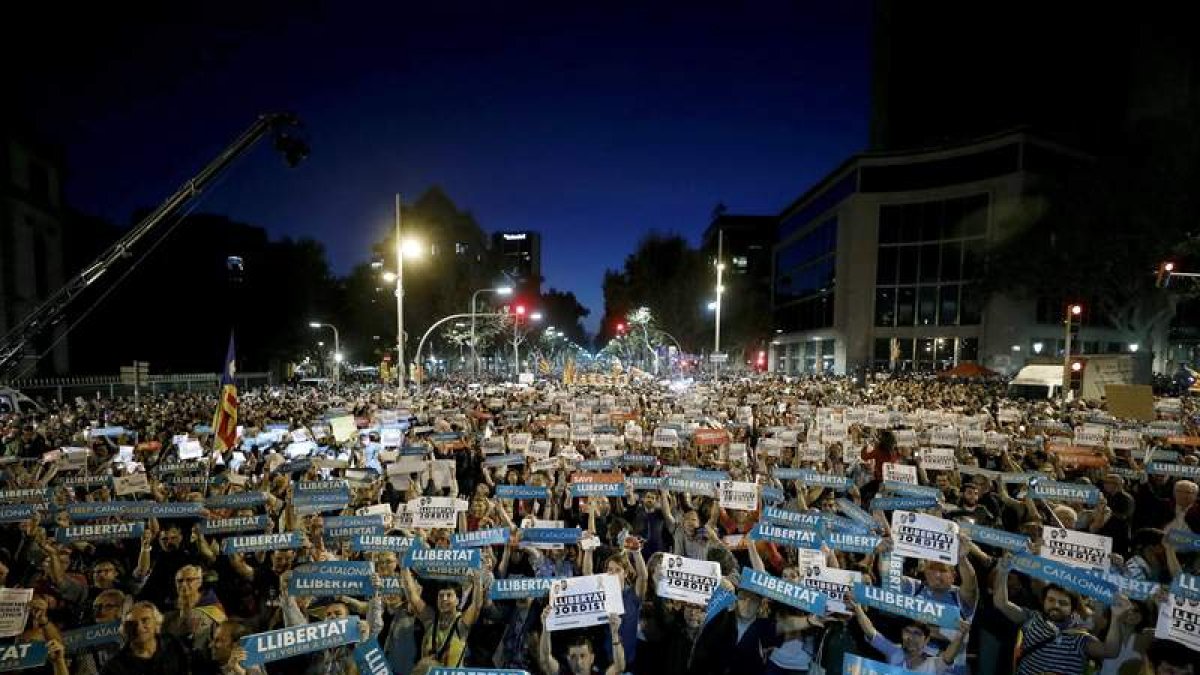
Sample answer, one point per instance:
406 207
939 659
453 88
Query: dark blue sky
593 126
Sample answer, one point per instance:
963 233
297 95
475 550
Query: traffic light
1163 278
520 310
620 328
1076 382
1074 322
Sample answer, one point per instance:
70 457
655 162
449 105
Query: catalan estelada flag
225 419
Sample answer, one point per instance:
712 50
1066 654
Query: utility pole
400 363
720 294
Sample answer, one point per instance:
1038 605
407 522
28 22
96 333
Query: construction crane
14 344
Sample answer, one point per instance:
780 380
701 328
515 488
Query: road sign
137 375
718 358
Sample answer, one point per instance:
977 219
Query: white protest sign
917 535
906 438
391 438
633 433
738 495
131 484
519 442
1090 437
831 581
665 438
579 602
1179 620
941 459
974 438
946 438
835 433
737 452
558 432
1078 549
14 609
344 428
812 452
407 464
901 473
190 450
1126 439
431 512
687 580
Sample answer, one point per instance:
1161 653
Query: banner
15 513
232 525
857 665
236 500
722 599
688 580
990 536
333 578
89 637
287 642
701 488
442 670
780 590
645 483
1074 579
262 542
84 481
504 460
816 479
521 587
738 495
1080 549
784 536
580 490
917 535
910 490
22 655
853 512
579 602
522 492
710 437
145 509
792 519
1183 541
551 535
1186 586
1179 620
14 610
1041 488
908 606
1174 470
773 495
105 532
433 512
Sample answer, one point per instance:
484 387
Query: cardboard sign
1079 549
710 437
665 438
1179 620
917 535
688 580
433 512
940 459
1130 401
579 602
14 609
901 473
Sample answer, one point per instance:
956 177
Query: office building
519 255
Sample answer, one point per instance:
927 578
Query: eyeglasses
188 580
106 605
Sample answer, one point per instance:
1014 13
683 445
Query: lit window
461 248
740 261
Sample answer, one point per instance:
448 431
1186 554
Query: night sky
592 126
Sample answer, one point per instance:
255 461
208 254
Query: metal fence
112 386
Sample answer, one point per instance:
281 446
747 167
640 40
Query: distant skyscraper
520 257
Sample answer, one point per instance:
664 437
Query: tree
562 310
669 277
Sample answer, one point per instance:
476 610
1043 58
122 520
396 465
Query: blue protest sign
855 513
1009 541
341 527
702 488
597 465
781 590
103 532
515 589
825 480
579 490
287 642
90 637
772 495
166 510
238 524
637 460
646 483
1132 588
1173 470
377 543
495 536
1064 492
505 460
778 516
440 670
85 481
863 666
22 655
721 599
106 431
908 606
910 490
15 513
445 437
1183 541
551 535
262 542
24 495
787 473
331 578
181 466
849 542
902 503
444 562
1074 579
522 492
295 466
784 536
1186 586
705 475
236 500
370 659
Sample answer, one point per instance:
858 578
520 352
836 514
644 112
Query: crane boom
50 312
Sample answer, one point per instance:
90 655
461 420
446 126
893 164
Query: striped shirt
1063 652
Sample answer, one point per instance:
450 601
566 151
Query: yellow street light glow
389 277
411 248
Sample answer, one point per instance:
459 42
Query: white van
1042 381
13 401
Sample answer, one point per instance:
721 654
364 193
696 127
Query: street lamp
337 347
518 312
498 290
404 248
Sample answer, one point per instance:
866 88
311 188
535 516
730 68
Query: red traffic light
1163 278
520 309
1076 310
620 328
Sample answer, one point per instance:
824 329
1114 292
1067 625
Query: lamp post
499 290
432 327
337 348
720 292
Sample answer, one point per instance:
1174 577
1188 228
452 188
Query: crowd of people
743 526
